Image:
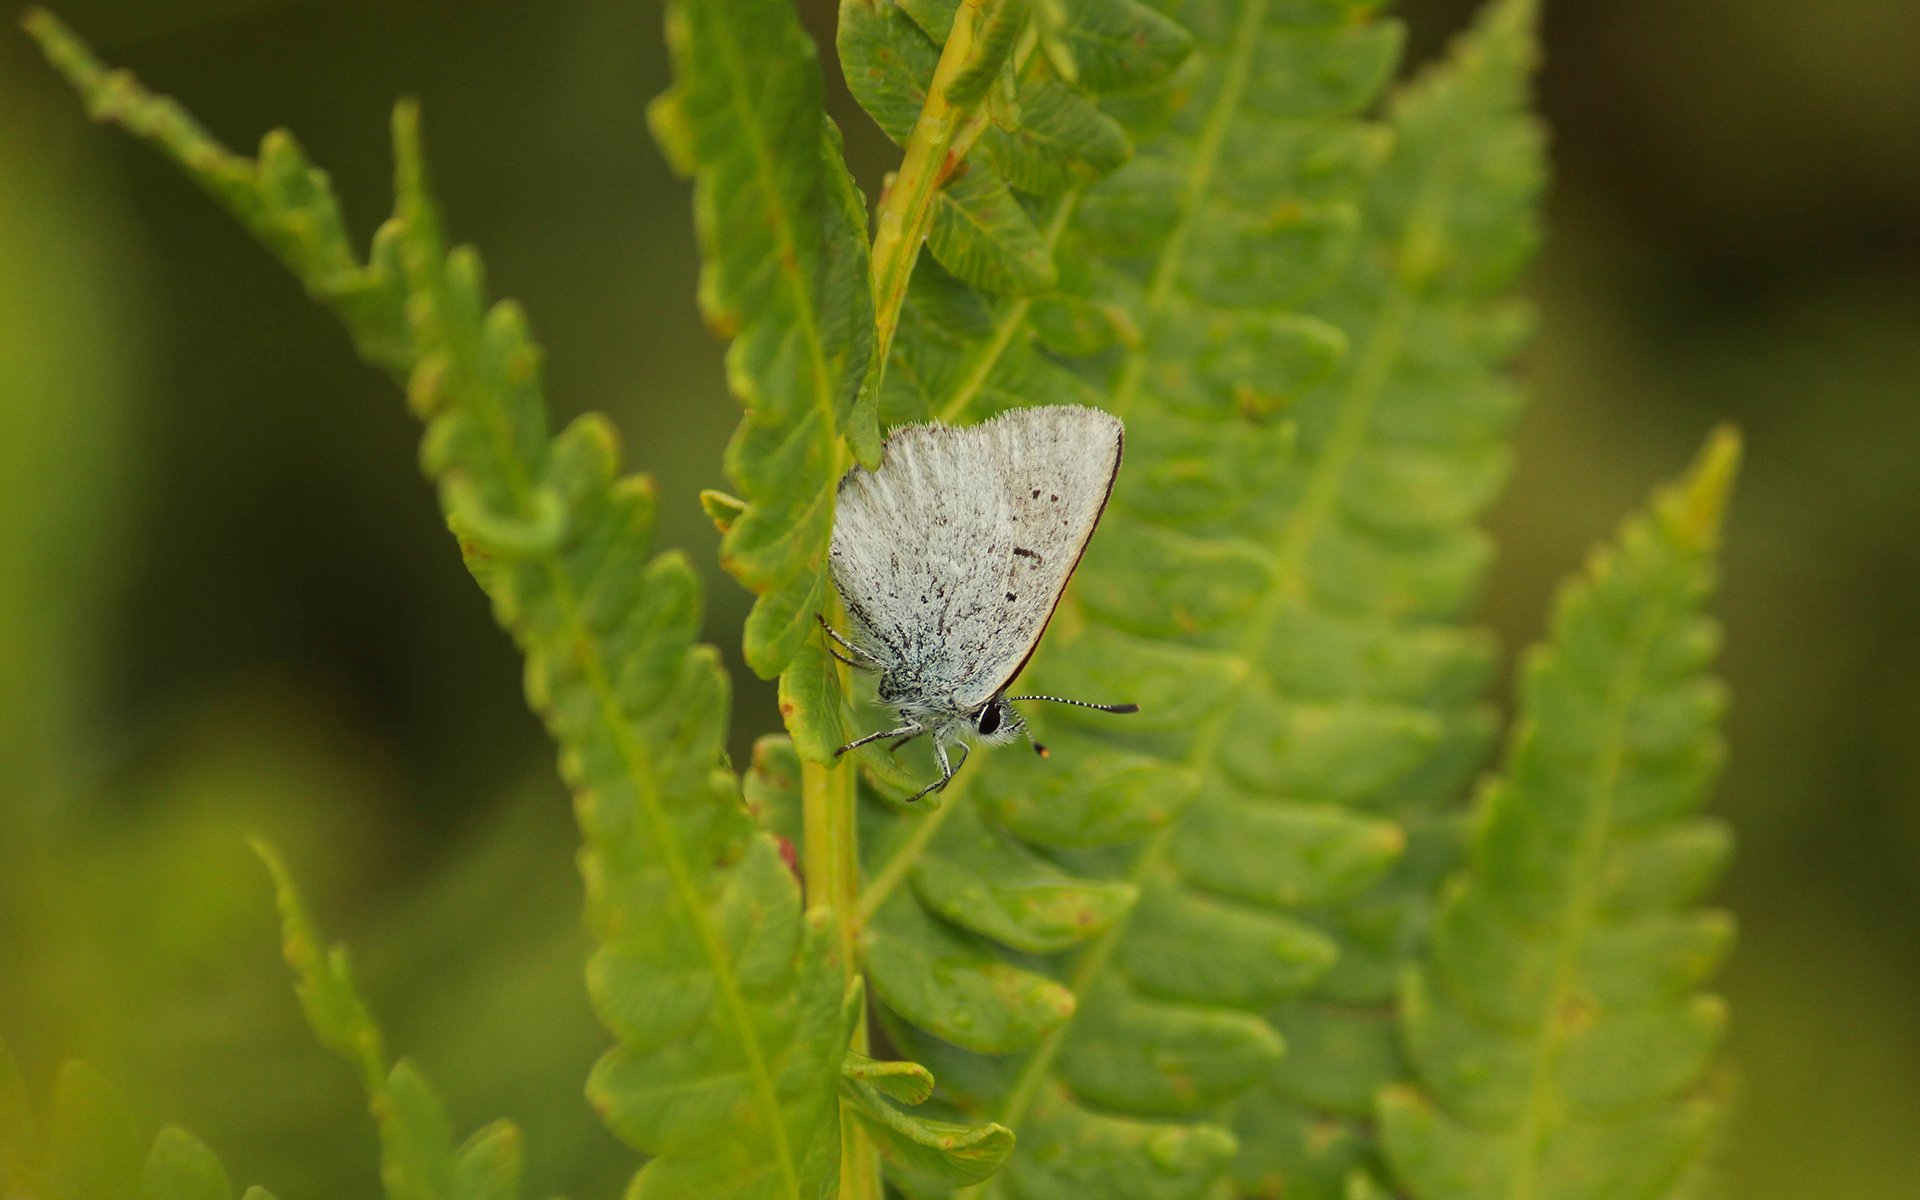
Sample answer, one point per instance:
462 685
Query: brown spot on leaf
791 857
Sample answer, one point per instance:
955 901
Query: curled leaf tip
539 532
722 508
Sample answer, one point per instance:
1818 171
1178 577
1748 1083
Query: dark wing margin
1119 453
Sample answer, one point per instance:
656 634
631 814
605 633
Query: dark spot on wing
1056 499
1036 494
1023 552
1009 595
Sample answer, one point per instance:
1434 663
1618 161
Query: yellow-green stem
941 138
833 879
833 876
829 794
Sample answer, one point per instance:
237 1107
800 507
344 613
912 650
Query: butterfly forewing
951 557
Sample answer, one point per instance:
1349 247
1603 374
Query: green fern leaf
1070 1153
772 788
91 1153
1448 220
981 878
725 1001
1046 136
783 240
982 235
945 980
417 1158
88 1149
1062 141
958 356
1280 597
180 1167
887 61
487 1165
909 1083
1556 1031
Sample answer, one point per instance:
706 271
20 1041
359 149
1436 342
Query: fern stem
832 868
829 821
941 138
1012 319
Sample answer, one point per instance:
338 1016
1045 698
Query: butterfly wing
953 555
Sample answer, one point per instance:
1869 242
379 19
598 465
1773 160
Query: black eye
990 718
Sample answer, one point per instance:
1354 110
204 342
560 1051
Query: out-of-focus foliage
418 1160
85 1147
1556 1028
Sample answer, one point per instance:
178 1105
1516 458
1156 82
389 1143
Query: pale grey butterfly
951 557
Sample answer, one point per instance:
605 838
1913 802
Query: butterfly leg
909 732
946 769
868 665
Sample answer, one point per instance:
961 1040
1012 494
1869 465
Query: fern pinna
1229 947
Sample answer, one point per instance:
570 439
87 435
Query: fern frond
1280 596
784 274
1556 1029
418 1160
729 1011
88 1149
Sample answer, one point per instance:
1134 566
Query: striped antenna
1112 708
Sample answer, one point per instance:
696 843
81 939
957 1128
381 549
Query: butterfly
951 557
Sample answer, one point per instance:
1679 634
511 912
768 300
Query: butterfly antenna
1111 708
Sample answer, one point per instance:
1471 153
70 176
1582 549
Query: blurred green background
227 602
